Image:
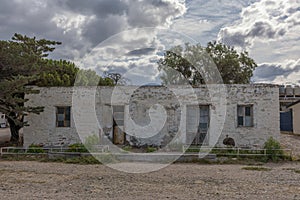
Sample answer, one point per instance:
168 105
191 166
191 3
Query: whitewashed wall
92 108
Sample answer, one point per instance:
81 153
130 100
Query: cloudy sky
129 36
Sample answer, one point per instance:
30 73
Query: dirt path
36 180
292 142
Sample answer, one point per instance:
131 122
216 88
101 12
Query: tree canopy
24 62
21 62
234 67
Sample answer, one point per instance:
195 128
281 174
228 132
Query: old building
295 111
155 115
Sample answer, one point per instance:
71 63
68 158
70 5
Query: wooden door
118 125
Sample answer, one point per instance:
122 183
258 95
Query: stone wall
153 115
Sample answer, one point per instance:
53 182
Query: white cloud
269 30
279 73
266 19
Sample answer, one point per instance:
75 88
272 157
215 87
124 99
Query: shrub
127 148
150 149
273 149
91 141
82 160
77 147
33 148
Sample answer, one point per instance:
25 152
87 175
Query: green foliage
90 78
63 73
67 74
177 64
127 148
81 160
21 62
33 148
274 151
77 147
91 141
150 149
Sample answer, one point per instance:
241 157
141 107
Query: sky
129 36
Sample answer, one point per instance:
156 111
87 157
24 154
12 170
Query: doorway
197 125
118 125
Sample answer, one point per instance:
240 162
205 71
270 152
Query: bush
127 148
77 147
273 149
91 141
33 148
150 149
82 160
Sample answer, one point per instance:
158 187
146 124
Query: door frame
205 141
115 125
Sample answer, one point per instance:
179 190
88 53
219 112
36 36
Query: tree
21 62
66 74
116 77
234 67
90 78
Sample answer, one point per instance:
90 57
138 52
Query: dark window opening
245 115
63 116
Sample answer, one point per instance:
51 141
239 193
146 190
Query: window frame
246 113
66 117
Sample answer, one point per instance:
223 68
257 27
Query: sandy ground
36 180
292 142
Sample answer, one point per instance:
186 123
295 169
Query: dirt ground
37 180
291 141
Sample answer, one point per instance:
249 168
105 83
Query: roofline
292 104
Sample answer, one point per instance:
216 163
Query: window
245 115
118 115
63 116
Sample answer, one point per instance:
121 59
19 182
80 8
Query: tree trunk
14 131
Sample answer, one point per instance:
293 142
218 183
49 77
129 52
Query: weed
256 168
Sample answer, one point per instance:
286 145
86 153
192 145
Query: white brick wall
95 107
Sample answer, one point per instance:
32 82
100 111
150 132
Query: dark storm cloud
264 29
139 52
268 72
81 24
101 8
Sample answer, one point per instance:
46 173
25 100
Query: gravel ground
292 142
37 180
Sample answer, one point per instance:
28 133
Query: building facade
155 115
295 109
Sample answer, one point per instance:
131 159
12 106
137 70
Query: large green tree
22 60
179 62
